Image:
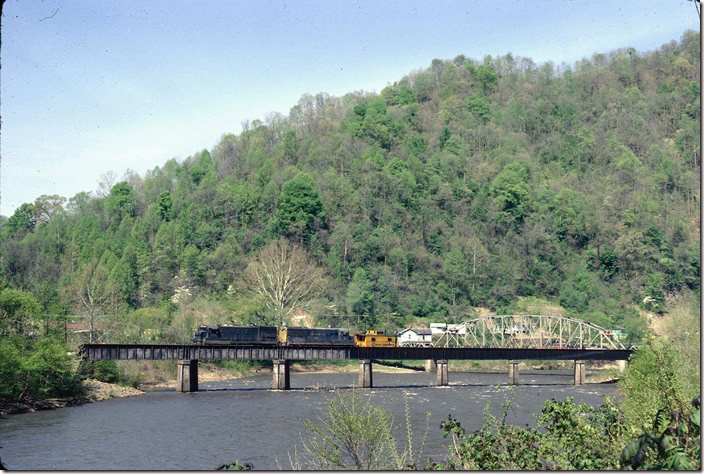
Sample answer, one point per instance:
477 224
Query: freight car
236 335
373 338
299 336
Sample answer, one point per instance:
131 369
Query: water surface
243 419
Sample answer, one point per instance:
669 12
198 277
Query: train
290 336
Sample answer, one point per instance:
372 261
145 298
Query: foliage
656 381
35 370
567 437
300 208
354 434
673 442
18 311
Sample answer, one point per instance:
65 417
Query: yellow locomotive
374 338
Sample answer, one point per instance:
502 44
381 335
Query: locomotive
290 336
213 335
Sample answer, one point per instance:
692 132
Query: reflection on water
242 419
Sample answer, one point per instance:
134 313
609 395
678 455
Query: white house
415 337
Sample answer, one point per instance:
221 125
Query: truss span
528 332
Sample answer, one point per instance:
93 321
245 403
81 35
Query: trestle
513 372
282 378
187 376
580 372
442 374
365 374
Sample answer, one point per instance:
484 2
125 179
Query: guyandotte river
244 420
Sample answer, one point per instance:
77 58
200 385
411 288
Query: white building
415 337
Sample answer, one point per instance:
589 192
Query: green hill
468 183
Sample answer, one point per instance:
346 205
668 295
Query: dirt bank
95 392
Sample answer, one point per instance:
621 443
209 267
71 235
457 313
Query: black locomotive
288 336
298 336
236 335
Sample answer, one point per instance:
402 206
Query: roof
419 331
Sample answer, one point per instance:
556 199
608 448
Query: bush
106 371
568 437
49 371
354 434
35 371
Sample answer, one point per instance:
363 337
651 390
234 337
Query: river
242 419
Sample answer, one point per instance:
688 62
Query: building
415 337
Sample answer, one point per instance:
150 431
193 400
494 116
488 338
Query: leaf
629 452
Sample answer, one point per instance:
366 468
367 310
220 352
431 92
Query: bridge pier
442 379
580 372
513 372
282 377
365 374
430 365
187 376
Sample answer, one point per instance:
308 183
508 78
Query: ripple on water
243 419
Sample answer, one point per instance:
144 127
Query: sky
88 86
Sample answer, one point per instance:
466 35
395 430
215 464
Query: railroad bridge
506 337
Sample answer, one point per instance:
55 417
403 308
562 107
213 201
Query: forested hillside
466 184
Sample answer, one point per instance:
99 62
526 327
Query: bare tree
93 293
285 277
107 180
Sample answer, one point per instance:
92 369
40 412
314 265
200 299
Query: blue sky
116 85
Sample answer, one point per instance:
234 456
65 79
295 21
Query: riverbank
95 391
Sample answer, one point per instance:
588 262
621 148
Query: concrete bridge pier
282 377
365 374
187 376
513 372
430 365
442 379
580 372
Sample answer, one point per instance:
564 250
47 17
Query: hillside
470 183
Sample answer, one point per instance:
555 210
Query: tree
46 206
121 202
300 207
512 192
360 299
164 204
284 276
107 180
23 220
93 293
18 311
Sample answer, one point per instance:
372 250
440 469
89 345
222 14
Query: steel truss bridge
512 338
528 332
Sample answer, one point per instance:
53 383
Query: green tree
22 220
165 204
512 192
300 208
121 202
19 312
360 300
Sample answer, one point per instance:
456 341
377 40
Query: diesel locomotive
290 336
